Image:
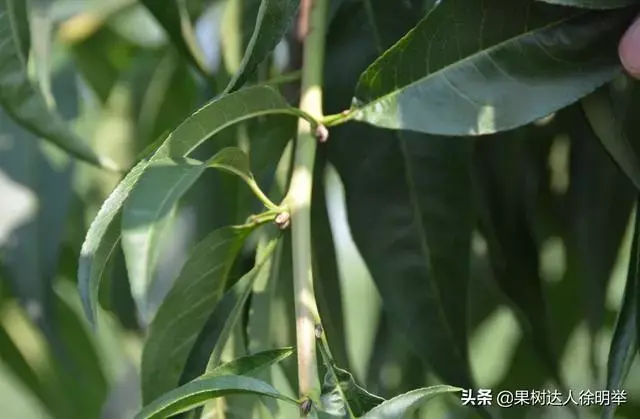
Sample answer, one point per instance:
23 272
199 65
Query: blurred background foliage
110 70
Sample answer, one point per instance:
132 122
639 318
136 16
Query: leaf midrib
425 249
463 61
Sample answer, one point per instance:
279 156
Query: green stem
338 118
263 217
299 202
262 196
284 78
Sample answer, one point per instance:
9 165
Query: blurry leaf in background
174 18
624 343
273 19
139 26
100 59
31 250
608 110
17 400
170 97
20 98
599 200
504 171
58 371
18 366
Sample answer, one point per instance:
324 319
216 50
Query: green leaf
250 364
624 344
198 392
609 120
409 207
138 26
101 241
223 321
599 201
593 4
22 101
342 397
505 165
223 112
169 98
37 193
243 289
525 49
15 361
81 373
150 204
175 19
205 123
401 406
18 21
99 70
176 326
273 20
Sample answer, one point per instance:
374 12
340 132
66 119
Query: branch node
283 220
305 407
322 133
318 331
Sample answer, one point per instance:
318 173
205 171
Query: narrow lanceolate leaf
153 200
242 290
273 20
466 67
250 364
176 326
610 116
504 166
593 4
199 391
624 344
23 101
101 241
204 124
342 397
600 201
402 406
223 320
409 207
174 18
